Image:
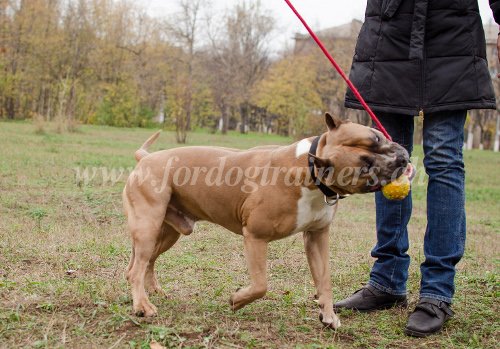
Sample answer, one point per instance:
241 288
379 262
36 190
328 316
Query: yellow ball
398 189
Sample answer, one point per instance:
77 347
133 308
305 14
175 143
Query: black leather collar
322 187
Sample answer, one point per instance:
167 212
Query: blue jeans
444 242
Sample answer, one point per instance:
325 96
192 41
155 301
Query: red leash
341 72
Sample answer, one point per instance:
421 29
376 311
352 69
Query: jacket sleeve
495 7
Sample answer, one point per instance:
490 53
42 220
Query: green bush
121 107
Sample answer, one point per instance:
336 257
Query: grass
51 223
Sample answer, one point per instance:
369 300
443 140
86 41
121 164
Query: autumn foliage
112 63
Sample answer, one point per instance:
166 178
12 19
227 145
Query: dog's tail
142 152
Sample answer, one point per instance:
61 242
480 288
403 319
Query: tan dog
263 193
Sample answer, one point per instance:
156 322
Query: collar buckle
332 201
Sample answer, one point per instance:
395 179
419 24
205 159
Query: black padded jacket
416 56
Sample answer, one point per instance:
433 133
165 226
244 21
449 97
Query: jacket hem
427 110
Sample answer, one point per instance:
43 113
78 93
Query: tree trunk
225 119
244 117
496 144
189 98
477 137
10 108
180 133
470 135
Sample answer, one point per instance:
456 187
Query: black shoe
428 317
368 299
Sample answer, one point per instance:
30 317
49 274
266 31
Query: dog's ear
332 122
320 163
325 168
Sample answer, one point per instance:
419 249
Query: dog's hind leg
126 209
175 223
145 212
144 248
168 238
131 263
317 252
256 257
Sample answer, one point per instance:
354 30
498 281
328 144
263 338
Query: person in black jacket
427 58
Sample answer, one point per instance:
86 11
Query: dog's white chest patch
312 212
302 147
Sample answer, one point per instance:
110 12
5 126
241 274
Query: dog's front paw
330 321
233 303
246 295
145 308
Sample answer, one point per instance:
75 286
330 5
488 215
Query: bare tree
240 57
184 29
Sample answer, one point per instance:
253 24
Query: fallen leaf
71 272
155 345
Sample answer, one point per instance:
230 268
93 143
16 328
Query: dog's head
353 158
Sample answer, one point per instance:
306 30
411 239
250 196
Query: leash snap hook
332 202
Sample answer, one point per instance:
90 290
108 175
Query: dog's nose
401 161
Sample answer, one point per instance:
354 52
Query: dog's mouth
409 171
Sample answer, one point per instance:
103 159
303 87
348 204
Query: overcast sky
319 14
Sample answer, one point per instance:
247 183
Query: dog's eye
377 139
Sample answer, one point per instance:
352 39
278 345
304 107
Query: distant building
340 41
491 33
349 33
484 126
345 32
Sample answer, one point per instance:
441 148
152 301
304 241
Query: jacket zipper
422 89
